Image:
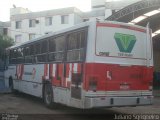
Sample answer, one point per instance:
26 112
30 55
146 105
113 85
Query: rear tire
48 95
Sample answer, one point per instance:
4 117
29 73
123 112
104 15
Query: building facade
110 6
26 25
4 28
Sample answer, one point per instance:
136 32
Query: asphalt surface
25 107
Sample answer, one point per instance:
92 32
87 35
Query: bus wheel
48 95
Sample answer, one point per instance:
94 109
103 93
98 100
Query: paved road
33 108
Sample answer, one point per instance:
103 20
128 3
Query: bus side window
20 56
28 58
57 48
37 51
13 54
41 51
32 53
75 46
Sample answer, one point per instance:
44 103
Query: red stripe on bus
50 70
67 70
137 77
61 73
79 67
57 81
22 70
19 71
72 68
107 25
120 26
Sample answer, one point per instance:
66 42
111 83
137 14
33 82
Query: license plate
124 87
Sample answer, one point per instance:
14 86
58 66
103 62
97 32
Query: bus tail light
150 85
93 84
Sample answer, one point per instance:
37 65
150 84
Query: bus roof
84 24
81 25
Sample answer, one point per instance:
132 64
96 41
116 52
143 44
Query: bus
90 65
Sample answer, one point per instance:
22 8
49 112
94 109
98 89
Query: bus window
13 56
44 47
42 57
57 48
32 50
15 53
27 51
42 51
75 46
20 58
28 57
38 48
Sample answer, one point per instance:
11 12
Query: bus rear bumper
94 102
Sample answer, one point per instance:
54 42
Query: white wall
40 28
77 19
18 10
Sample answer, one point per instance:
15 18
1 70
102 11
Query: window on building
32 36
18 38
18 24
86 19
64 19
48 21
5 31
32 23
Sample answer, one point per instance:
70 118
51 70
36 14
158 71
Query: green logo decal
125 42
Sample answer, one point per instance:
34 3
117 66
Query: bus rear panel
119 71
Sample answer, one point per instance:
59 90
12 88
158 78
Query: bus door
76 81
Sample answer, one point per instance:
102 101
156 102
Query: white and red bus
93 64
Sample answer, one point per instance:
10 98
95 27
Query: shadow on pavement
66 113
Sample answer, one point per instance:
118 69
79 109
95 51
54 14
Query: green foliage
5 42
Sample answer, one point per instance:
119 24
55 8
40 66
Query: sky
40 5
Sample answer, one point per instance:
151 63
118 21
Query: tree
5 42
